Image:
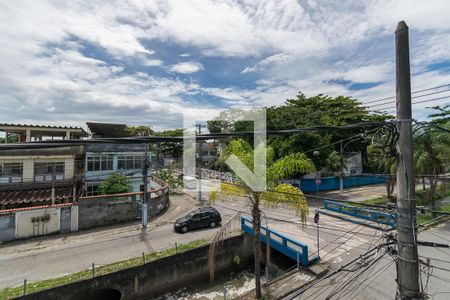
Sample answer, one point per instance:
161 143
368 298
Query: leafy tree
140 130
174 149
114 184
442 116
284 167
168 176
333 162
320 110
11 139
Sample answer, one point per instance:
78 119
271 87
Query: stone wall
155 278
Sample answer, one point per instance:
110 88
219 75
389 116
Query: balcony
11 179
48 177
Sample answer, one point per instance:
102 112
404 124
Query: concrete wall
33 222
107 210
158 277
37 222
102 211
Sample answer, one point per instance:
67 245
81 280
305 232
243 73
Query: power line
414 92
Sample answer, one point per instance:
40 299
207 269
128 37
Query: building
208 152
353 164
32 177
29 133
107 130
102 160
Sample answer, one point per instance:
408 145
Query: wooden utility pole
407 263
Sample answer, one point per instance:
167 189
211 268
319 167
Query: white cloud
275 60
187 67
50 69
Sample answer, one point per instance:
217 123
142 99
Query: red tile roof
34 195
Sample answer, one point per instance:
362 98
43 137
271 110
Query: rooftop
107 130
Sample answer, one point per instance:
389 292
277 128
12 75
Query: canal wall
155 278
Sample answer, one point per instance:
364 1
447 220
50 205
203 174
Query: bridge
282 243
354 213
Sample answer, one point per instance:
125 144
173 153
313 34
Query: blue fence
332 183
289 247
388 219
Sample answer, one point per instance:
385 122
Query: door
204 219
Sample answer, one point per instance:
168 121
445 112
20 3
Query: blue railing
289 247
388 219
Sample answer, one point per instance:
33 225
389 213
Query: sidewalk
357 194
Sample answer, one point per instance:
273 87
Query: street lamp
317 153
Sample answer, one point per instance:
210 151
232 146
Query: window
204 153
44 171
212 153
91 190
100 163
129 162
11 172
11 169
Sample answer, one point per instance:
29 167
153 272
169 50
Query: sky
153 62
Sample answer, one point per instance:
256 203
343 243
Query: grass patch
100 270
424 198
377 201
427 216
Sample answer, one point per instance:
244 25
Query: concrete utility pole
407 264
145 178
199 126
341 175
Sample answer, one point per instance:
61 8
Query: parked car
202 217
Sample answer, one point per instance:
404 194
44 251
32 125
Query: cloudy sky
146 62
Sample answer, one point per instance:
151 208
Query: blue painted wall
332 183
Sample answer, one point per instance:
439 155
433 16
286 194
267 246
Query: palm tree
382 162
285 167
432 150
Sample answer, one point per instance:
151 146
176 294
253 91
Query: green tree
140 130
277 193
114 184
172 148
432 151
320 110
382 162
169 176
